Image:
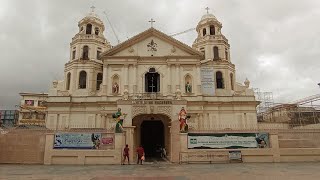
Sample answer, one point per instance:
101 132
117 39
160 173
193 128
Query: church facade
150 78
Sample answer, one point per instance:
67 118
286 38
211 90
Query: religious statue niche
183 117
119 117
152 81
115 84
188 86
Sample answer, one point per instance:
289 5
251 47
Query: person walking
140 153
126 154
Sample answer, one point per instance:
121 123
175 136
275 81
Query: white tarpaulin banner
221 141
207 81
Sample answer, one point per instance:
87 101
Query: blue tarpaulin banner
77 140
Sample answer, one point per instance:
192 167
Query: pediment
152 43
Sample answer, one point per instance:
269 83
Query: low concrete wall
82 157
36 147
22 147
285 146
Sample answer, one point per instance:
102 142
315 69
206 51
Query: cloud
273 43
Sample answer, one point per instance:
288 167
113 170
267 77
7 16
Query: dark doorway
152 137
152 81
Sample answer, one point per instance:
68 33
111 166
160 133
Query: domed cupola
210 40
89 42
91 24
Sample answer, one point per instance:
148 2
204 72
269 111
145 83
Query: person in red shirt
126 154
140 152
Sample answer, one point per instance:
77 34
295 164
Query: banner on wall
207 81
107 141
77 140
228 140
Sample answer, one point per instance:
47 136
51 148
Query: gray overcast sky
274 43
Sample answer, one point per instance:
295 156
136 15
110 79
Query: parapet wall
285 146
36 147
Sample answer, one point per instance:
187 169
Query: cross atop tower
207 8
152 21
92 8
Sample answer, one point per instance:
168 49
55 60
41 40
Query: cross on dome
92 9
207 8
152 21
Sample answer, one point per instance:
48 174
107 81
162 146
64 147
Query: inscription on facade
145 102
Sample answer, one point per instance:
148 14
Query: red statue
183 120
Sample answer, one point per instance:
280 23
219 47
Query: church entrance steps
156 160
204 157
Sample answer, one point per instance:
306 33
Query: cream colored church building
151 76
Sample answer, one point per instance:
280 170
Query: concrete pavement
164 171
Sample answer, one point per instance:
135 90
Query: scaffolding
301 112
265 99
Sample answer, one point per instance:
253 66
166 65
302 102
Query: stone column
198 80
126 77
169 90
105 80
177 77
118 146
91 79
200 123
48 148
78 52
274 142
73 80
184 142
135 85
181 79
130 141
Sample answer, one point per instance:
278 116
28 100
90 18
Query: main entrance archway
152 137
152 131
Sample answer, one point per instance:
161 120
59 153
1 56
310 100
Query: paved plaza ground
164 171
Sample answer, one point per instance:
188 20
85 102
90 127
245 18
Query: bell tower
89 42
83 72
216 50
210 41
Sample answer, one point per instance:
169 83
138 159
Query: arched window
231 81
212 30
82 80
99 80
188 84
215 53
68 81
85 53
88 29
227 55
73 54
204 31
152 81
219 80
96 31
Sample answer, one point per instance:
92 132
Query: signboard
235 156
228 140
29 102
107 141
77 140
207 81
